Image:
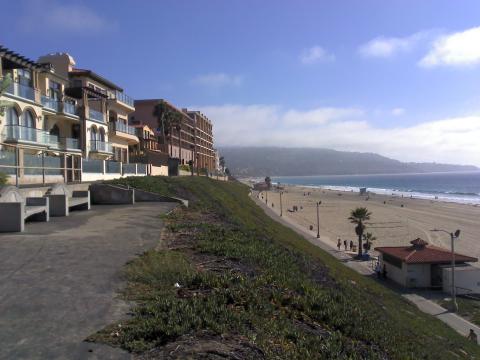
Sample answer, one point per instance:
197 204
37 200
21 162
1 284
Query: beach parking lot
59 280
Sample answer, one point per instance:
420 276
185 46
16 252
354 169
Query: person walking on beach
472 336
339 244
351 245
345 244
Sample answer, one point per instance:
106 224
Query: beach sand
391 224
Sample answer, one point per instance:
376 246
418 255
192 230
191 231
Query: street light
318 220
281 208
453 236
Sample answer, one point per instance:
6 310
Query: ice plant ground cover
226 280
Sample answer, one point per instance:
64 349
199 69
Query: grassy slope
298 302
467 307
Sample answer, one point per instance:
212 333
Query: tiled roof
423 253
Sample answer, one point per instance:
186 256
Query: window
54 90
24 77
27 119
12 116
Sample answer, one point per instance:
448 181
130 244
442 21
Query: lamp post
318 220
281 208
453 237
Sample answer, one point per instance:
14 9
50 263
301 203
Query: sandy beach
391 224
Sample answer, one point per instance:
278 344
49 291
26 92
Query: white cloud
386 47
217 80
316 54
453 140
398 111
318 116
48 15
456 49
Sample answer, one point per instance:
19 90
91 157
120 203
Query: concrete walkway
427 306
59 280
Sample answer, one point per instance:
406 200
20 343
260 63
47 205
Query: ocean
460 187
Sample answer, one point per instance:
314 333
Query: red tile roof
423 253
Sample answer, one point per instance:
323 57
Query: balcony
100 146
63 143
97 116
122 97
50 103
70 109
18 133
22 91
122 127
122 130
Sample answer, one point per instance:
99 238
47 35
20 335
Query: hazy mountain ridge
275 161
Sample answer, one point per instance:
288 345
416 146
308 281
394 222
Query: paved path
59 280
456 322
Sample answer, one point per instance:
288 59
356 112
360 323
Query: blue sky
400 78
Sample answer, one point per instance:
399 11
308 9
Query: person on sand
345 244
339 244
472 336
351 245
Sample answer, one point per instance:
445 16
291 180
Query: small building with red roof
420 265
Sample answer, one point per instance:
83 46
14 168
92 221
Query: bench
62 200
14 209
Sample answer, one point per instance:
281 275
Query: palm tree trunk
171 142
180 145
360 245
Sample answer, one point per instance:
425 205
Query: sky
398 78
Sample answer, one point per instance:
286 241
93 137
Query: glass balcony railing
69 108
73 144
23 133
50 103
64 143
122 97
122 127
22 91
100 146
96 116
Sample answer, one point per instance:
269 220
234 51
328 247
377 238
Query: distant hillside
274 161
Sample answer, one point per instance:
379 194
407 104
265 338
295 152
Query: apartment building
205 153
191 141
40 127
103 108
59 115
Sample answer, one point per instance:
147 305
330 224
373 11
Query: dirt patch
206 345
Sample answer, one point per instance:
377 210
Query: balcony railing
122 97
69 108
50 103
24 133
73 144
22 91
122 127
100 146
96 116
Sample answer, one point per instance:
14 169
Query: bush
3 178
184 167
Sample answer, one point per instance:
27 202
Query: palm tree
368 238
359 216
222 163
161 112
4 84
176 122
268 181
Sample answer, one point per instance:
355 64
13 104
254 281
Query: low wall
159 170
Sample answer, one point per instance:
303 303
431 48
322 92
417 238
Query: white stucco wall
467 277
